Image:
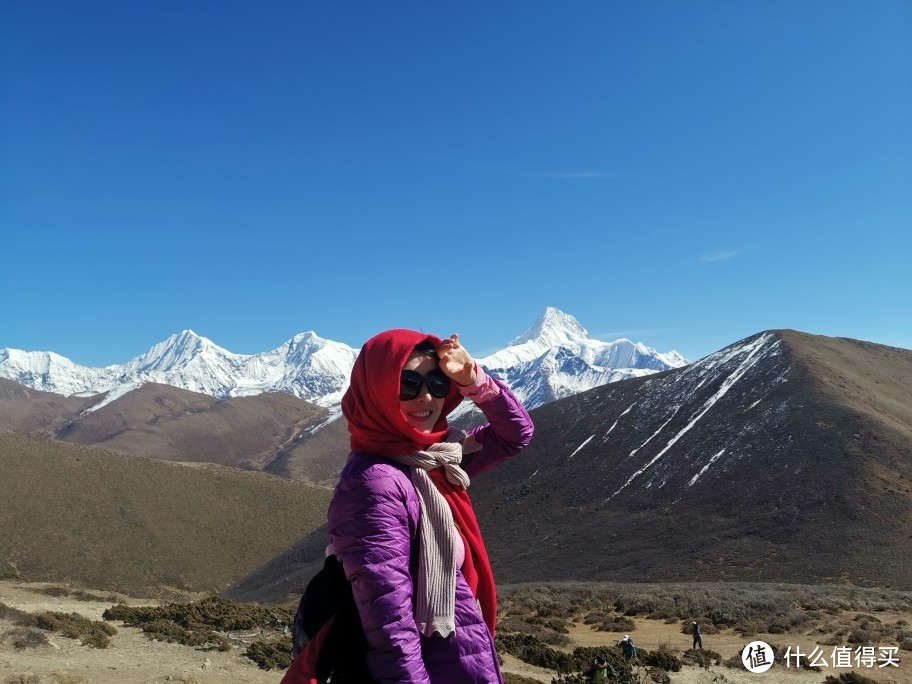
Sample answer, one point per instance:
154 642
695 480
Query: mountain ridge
317 370
780 458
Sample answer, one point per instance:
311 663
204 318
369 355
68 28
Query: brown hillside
22 408
316 456
783 457
871 379
79 514
751 464
160 421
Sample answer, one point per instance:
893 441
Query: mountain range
783 457
555 358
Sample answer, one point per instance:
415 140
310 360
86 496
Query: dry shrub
864 637
706 627
849 678
21 638
734 662
73 625
657 675
530 649
701 658
553 624
19 617
513 623
64 677
79 594
555 638
540 628
510 678
665 660
723 604
832 640
617 624
272 654
23 678
53 591
200 624
595 618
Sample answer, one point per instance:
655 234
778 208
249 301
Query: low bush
617 624
660 658
79 594
21 638
73 625
510 678
200 624
530 649
864 637
700 657
554 624
554 638
91 632
270 654
706 627
657 675
849 678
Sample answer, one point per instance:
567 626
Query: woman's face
422 412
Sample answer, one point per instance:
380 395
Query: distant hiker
400 520
698 636
599 671
627 647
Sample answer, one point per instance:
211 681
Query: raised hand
455 361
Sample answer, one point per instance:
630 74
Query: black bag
342 656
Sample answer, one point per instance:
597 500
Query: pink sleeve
482 390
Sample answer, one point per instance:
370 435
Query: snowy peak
554 328
554 358
176 352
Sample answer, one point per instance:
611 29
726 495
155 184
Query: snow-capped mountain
555 358
306 366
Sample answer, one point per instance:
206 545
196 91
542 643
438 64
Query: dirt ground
132 658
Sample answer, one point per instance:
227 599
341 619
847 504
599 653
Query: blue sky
683 174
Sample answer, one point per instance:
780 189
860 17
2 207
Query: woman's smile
423 411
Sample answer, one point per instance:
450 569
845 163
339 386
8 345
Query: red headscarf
371 403
376 425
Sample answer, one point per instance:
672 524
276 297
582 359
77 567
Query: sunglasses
411 382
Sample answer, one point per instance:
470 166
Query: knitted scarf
377 426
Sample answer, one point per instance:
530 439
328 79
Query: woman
400 521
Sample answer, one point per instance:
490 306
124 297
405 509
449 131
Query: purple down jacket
373 527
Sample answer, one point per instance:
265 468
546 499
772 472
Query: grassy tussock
208 624
755 607
91 633
79 594
745 609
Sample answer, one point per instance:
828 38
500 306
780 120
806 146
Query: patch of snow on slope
580 447
752 350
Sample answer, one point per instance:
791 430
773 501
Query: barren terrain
132 657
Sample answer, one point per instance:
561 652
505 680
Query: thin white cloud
722 255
